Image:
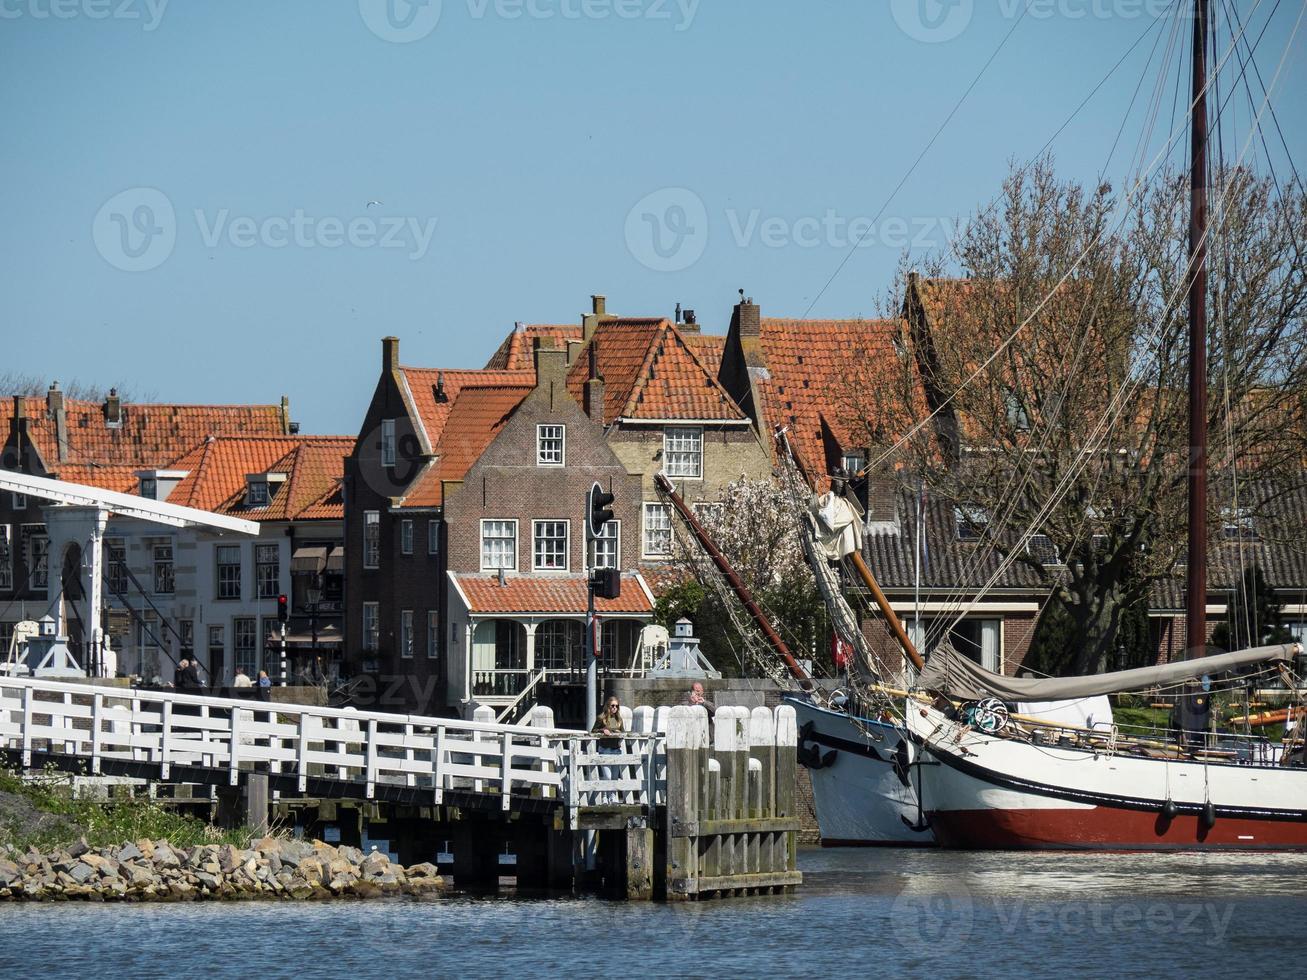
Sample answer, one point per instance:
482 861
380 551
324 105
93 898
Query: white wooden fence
370 749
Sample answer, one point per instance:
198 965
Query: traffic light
607 583
600 509
283 609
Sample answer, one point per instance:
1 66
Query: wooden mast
1196 618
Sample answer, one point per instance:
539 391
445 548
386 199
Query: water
874 913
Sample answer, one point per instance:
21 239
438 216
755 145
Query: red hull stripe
1106 828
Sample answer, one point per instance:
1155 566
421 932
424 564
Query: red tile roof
517 351
709 347
476 417
809 376
651 372
218 467
548 594
106 477
149 435
433 413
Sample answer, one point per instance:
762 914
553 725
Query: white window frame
536 540
115 568
388 443
36 555
157 563
675 452
6 563
372 629
433 634
219 565
545 433
406 537
261 551
257 494
20 501
605 536
239 631
649 508
406 634
433 537
490 520
372 539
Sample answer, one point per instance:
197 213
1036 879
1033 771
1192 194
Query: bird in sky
375 203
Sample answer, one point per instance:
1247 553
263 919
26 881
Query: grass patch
40 811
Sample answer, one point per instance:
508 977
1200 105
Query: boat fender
1169 809
1209 815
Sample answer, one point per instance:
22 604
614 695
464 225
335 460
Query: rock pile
156 871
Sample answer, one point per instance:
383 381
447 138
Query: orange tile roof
808 374
517 351
475 418
150 435
432 413
651 372
709 347
107 477
218 467
548 594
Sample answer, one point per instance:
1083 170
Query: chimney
573 349
598 312
389 354
599 305
441 395
113 409
689 323
54 403
286 425
594 387
748 316
551 364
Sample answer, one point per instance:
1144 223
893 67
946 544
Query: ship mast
1196 618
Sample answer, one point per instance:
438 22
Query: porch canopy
548 595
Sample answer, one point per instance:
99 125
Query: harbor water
882 913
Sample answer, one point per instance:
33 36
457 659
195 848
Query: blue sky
186 184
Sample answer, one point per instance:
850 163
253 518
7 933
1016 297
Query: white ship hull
861 797
983 791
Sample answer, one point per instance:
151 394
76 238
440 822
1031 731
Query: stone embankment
155 871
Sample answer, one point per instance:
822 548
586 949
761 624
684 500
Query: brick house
113 445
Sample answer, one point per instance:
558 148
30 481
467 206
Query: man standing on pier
696 697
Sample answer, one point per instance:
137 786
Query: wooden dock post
684 735
255 799
787 741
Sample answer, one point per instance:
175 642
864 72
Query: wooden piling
683 788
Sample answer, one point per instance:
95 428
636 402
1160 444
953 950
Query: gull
376 203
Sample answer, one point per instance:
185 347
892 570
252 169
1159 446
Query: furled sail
833 530
951 672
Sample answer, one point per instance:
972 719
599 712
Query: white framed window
550 545
498 545
6 562
36 552
683 452
163 570
371 626
433 537
605 551
406 634
388 442
657 531
551 445
852 462
267 570
20 501
406 537
372 539
256 494
228 584
433 634
245 641
115 555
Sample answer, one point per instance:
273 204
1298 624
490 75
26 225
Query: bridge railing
368 748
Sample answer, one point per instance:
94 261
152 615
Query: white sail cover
837 526
949 671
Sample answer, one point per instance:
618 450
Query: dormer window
149 488
260 488
551 445
388 442
972 522
853 463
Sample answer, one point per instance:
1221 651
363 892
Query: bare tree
35 386
1052 365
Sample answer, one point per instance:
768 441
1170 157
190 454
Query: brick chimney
599 305
749 317
594 387
598 312
551 364
113 409
54 406
389 354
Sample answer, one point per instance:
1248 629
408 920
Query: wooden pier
686 808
